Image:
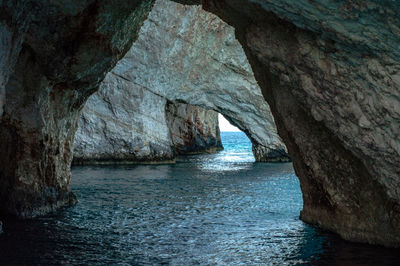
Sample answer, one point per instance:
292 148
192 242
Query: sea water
212 209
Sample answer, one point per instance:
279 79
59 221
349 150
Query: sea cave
128 94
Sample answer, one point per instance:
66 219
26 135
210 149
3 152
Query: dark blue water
218 209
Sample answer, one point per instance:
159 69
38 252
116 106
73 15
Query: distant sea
212 209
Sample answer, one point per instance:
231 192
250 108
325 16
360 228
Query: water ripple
216 209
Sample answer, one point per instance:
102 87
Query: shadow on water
213 209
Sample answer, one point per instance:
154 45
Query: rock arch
122 125
53 57
184 55
329 71
330 75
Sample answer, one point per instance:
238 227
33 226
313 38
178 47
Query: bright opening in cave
225 125
237 145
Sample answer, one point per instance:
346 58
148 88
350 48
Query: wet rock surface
329 72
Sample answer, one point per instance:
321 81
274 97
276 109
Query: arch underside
182 56
330 102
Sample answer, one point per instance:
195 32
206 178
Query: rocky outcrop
190 56
53 56
124 125
193 129
330 73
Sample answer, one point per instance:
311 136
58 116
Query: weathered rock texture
124 125
193 129
186 55
330 72
14 20
183 54
121 124
53 56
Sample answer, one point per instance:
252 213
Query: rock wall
53 56
193 129
330 73
14 21
124 125
120 125
190 56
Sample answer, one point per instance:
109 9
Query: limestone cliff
124 125
190 56
119 125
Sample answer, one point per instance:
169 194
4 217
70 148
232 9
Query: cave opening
226 126
169 94
236 143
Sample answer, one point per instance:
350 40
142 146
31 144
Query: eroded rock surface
193 129
187 55
54 55
328 69
124 125
120 124
13 25
330 72
174 60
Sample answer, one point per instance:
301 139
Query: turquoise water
213 209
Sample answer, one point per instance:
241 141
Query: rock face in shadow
12 28
53 56
190 56
331 75
124 125
193 129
